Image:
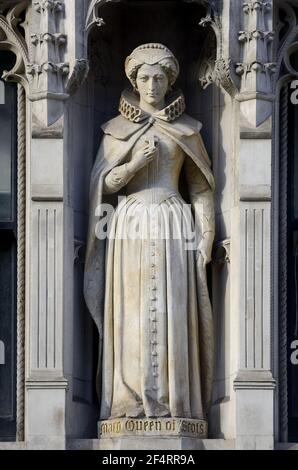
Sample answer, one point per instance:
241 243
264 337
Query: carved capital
256 67
256 40
48 6
243 69
48 68
246 36
256 6
57 39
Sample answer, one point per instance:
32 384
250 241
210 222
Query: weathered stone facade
237 58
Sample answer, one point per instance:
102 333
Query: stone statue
148 293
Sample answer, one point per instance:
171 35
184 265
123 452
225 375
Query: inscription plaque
174 427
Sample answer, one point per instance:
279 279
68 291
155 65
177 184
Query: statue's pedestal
152 434
150 443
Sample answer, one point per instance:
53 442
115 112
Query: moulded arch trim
293 48
12 40
285 73
218 71
93 19
288 46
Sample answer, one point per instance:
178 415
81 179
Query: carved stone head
152 54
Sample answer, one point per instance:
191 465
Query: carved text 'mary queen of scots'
145 284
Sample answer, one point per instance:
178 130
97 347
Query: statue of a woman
148 294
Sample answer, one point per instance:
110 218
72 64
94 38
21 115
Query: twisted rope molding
283 304
21 220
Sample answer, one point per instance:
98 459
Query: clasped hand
145 155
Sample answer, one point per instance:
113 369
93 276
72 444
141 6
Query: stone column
45 382
53 73
254 384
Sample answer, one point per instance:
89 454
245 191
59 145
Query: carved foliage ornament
216 68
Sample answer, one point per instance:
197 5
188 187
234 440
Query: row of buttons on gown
152 174
153 317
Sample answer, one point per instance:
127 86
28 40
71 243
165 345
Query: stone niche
126 25
131 23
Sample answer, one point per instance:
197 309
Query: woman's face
152 84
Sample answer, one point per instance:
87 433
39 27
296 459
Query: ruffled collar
130 109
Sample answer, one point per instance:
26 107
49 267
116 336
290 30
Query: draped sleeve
201 198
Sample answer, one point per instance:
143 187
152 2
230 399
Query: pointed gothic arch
216 67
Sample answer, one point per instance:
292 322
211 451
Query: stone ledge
151 443
286 446
13 446
253 379
164 444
